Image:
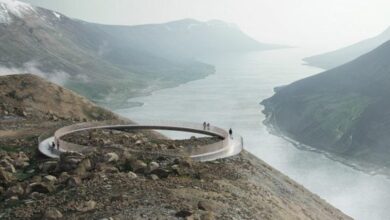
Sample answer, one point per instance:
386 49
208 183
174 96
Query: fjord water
230 98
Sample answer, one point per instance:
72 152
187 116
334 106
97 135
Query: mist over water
230 98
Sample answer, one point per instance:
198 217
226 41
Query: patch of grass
8 148
335 114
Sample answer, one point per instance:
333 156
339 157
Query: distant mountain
187 38
110 63
86 58
345 111
344 55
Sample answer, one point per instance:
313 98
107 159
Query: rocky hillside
344 55
29 96
344 111
115 183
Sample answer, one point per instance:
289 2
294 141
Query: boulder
20 164
132 175
186 162
111 169
50 179
82 168
7 165
69 161
13 199
208 216
112 157
52 214
153 165
21 160
36 195
23 157
138 166
64 176
175 167
183 214
40 187
86 206
107 168
16 190
154 177
127 156
206 206
161 173
6 177
73 181
48 166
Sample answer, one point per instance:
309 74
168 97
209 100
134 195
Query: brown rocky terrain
113 183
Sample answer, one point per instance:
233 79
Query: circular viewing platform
227 145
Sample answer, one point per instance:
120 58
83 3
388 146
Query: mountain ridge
343 111
346 54
109 64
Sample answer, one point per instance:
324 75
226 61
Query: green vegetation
335 114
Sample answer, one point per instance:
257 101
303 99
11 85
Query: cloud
56 76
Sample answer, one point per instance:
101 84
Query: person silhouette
52 146
58 144
208 126
231 133
204 125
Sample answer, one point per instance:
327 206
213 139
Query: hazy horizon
322 25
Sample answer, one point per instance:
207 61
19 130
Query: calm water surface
230 98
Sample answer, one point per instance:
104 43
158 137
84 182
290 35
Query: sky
317 24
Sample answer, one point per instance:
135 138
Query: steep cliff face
344 111
111 182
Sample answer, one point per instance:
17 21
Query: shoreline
145 93
358 166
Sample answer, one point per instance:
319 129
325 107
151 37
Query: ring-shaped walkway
228 145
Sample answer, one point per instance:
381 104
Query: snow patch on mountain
57 15
16 8
4 16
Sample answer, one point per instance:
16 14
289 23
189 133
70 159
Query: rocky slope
344 55
113 183
27 95
344 111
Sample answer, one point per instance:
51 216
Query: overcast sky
323 24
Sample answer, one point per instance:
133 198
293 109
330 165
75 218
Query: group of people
206 126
